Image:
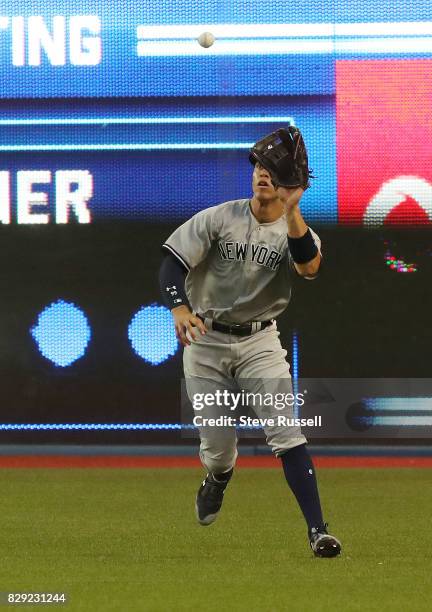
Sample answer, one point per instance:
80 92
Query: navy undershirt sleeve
172 276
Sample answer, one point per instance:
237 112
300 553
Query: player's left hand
290 196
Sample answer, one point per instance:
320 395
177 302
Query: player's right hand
185 321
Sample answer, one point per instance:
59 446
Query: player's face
262 186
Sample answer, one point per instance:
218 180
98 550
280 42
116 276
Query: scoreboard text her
71 192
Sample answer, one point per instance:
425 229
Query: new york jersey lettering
259 253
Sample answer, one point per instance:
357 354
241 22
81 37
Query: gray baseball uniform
239 272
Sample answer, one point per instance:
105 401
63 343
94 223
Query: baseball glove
283 154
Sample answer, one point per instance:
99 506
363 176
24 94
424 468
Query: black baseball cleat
210 497
322 543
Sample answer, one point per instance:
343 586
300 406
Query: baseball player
226 277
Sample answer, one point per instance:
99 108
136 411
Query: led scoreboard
121 95
116 126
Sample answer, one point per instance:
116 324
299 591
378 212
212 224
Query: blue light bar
104 427
146 120
156 146
92 426
400 404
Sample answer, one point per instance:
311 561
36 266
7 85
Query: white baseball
206 39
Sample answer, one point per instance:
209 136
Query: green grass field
127 540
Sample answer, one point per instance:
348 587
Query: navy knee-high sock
300 474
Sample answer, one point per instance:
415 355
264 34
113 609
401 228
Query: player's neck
266 211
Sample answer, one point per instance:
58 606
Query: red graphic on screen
384 141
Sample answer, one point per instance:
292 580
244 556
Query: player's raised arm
284 157
302 243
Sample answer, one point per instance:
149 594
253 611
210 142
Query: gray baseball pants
255 364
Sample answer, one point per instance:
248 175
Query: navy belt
238 329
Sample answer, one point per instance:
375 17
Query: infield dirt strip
121 461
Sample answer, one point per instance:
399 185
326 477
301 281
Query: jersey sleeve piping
177 255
